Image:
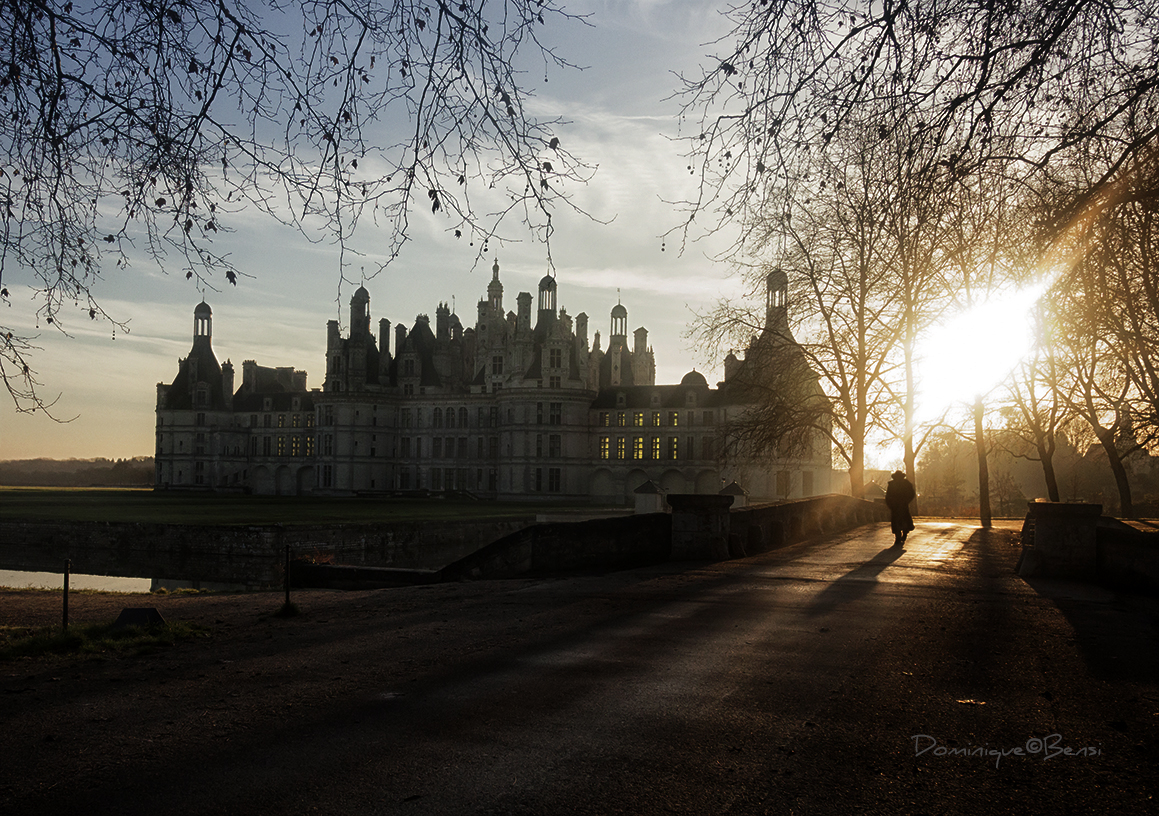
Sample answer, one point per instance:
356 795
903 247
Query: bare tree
1099 389
992 87
1034 415
842 322
142 127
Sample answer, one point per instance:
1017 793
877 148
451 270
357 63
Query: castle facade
518 406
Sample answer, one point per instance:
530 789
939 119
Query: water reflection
15 579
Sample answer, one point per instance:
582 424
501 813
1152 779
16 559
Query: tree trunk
983 469
857 472
1046 457
910 408
1126 506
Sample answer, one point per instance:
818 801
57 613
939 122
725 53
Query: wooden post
67 570
287 575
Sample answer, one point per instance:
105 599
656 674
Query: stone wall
1074 540
702 527
599 544
247 556
699 528
759 528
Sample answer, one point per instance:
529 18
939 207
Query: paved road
835 676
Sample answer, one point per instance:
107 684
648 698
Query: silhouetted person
897 498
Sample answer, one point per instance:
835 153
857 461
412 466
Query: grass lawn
147 506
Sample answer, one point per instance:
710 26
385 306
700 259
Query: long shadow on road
855 584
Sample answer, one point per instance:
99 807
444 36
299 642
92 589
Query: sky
621 120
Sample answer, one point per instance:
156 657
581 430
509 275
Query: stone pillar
700 527
1063 543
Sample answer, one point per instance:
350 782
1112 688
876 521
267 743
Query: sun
974 351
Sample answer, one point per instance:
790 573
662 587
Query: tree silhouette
145 127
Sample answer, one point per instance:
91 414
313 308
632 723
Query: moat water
15 579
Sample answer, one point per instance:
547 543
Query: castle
508 409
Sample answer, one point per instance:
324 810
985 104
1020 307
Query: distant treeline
77 472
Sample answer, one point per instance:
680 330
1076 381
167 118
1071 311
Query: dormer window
555 358
621 399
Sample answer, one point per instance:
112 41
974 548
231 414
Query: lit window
638 447
605 447
673 447
621 448
655 447
673 418
638 419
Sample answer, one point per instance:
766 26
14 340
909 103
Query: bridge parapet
759 528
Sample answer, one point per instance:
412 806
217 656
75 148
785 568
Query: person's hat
897 474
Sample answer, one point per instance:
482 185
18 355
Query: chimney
227 383
384 337
249 376
640 337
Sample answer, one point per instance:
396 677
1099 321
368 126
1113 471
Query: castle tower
777 302
202 324
619 324
547 294
495 289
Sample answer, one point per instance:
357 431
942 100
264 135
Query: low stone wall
1074 540
699 528
247 556
599 544
1127 557
759 528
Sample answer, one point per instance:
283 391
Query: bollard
287 575
67 570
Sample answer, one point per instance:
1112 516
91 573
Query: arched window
450 417
437 419
463 418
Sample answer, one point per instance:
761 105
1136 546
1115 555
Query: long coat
898 495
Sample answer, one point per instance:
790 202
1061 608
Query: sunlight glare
973 352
